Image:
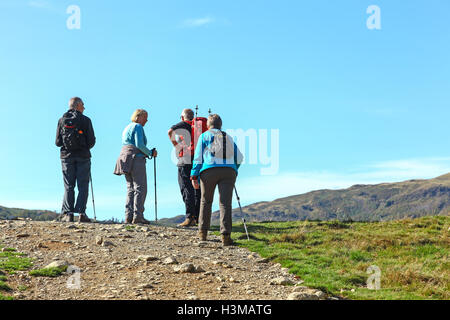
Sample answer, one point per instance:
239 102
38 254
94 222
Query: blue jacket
203 159
134 135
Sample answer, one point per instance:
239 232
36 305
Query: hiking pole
243 220
156 201
154 173
93 201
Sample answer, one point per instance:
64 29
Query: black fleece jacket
88 130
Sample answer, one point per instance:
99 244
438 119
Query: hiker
75 136
131 163
216 162
191 196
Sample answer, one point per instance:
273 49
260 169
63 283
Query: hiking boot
83 218
185 223
193 223
202 234
128 219
226 240
139 219
67 217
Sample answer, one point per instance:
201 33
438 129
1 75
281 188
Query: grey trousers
76 171
136 188
225 179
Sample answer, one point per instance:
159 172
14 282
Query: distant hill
172 221
37 215
380 202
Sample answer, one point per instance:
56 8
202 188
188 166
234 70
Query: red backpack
198 126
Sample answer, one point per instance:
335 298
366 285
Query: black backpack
73 137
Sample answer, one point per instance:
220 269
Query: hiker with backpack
131 163
187 130
75 136
216 163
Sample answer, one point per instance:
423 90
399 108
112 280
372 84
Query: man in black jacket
191 196
75 136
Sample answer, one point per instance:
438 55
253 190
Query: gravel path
142 262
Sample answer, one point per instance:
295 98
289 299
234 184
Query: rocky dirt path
143 262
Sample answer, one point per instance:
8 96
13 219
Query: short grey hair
75 102
188 114
214 121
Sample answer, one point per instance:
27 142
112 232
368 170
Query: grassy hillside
380 202
412 255
38 215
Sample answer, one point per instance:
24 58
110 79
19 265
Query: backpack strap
224 135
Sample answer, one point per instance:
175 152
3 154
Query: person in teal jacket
131 163
216 163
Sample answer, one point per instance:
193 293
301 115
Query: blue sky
351 105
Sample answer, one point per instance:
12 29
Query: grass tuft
4 286
48 272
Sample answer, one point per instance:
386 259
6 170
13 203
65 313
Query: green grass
10 262
48 272
4 286
412 254
2 297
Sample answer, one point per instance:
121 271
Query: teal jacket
134 135
203 159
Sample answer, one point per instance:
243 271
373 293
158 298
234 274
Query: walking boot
83 218
128 219
185 223
226 240
139 219
202 234
193 223
67 217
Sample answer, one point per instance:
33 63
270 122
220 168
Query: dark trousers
191 196
224 178
76 171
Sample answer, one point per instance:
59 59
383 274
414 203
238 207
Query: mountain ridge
360 202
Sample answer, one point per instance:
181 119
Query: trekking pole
243 220
93 201
156 202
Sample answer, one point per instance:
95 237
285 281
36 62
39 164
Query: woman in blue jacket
216 163
131 163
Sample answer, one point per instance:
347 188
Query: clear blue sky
352 105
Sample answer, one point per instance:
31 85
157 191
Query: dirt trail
142 262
